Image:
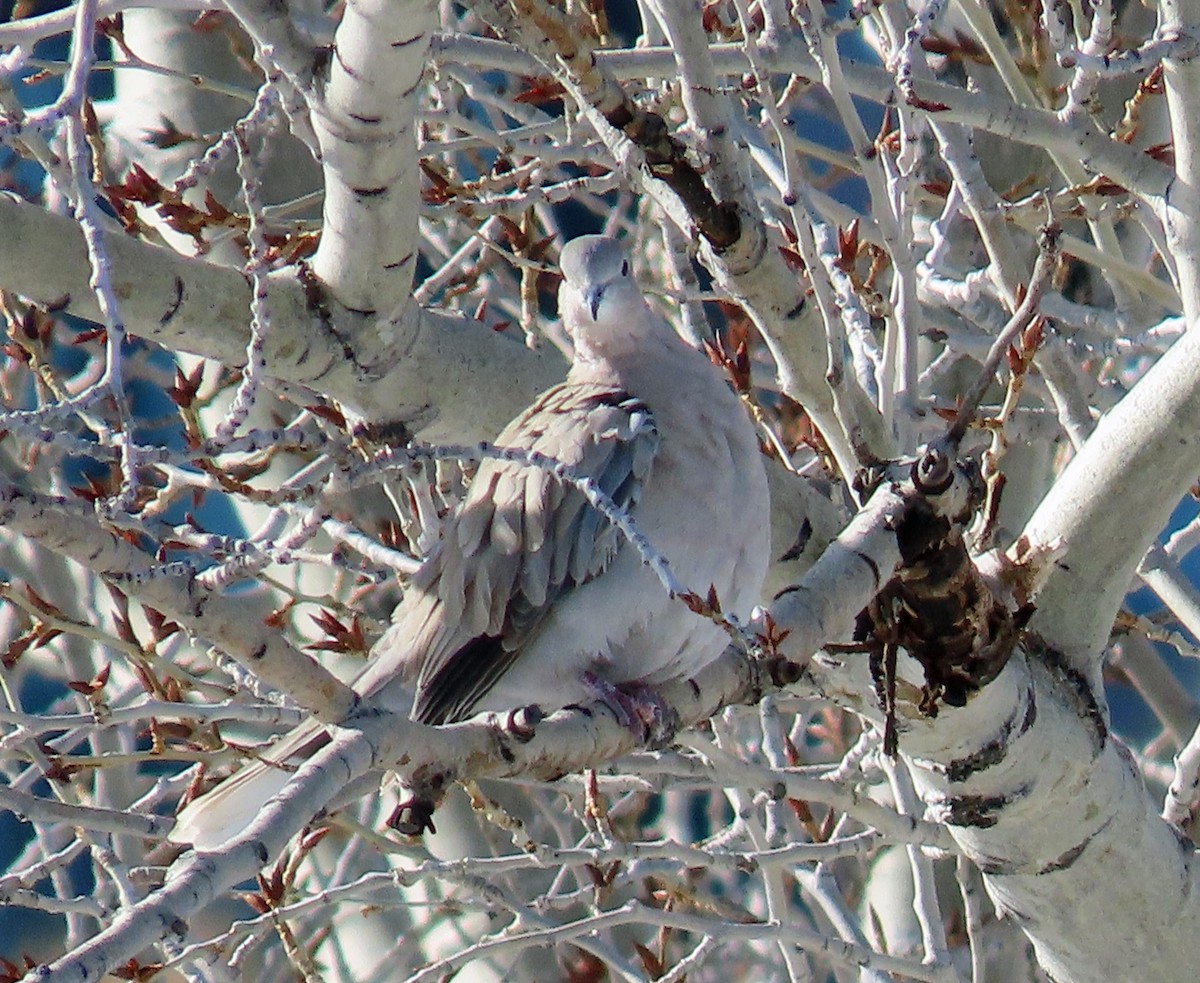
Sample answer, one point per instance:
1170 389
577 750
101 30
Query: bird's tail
228 809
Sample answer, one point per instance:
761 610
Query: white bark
434 360
364 122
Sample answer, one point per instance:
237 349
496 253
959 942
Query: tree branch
1104 520
419 371
237 625
364 120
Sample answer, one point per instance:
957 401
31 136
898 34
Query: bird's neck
628 357
599 354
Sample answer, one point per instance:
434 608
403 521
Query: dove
531 595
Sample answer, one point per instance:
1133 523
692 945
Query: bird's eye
625 268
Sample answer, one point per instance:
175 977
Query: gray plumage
530 590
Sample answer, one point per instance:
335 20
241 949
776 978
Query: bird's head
601 305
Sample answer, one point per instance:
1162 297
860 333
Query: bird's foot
639 708
413 816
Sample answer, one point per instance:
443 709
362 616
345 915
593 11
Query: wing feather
527 538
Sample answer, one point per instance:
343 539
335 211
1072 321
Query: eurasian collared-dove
531 596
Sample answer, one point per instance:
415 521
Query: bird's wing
521 539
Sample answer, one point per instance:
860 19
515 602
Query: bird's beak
592 299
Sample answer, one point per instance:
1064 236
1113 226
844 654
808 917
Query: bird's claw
639 708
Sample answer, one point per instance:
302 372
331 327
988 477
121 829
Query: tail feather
228 809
